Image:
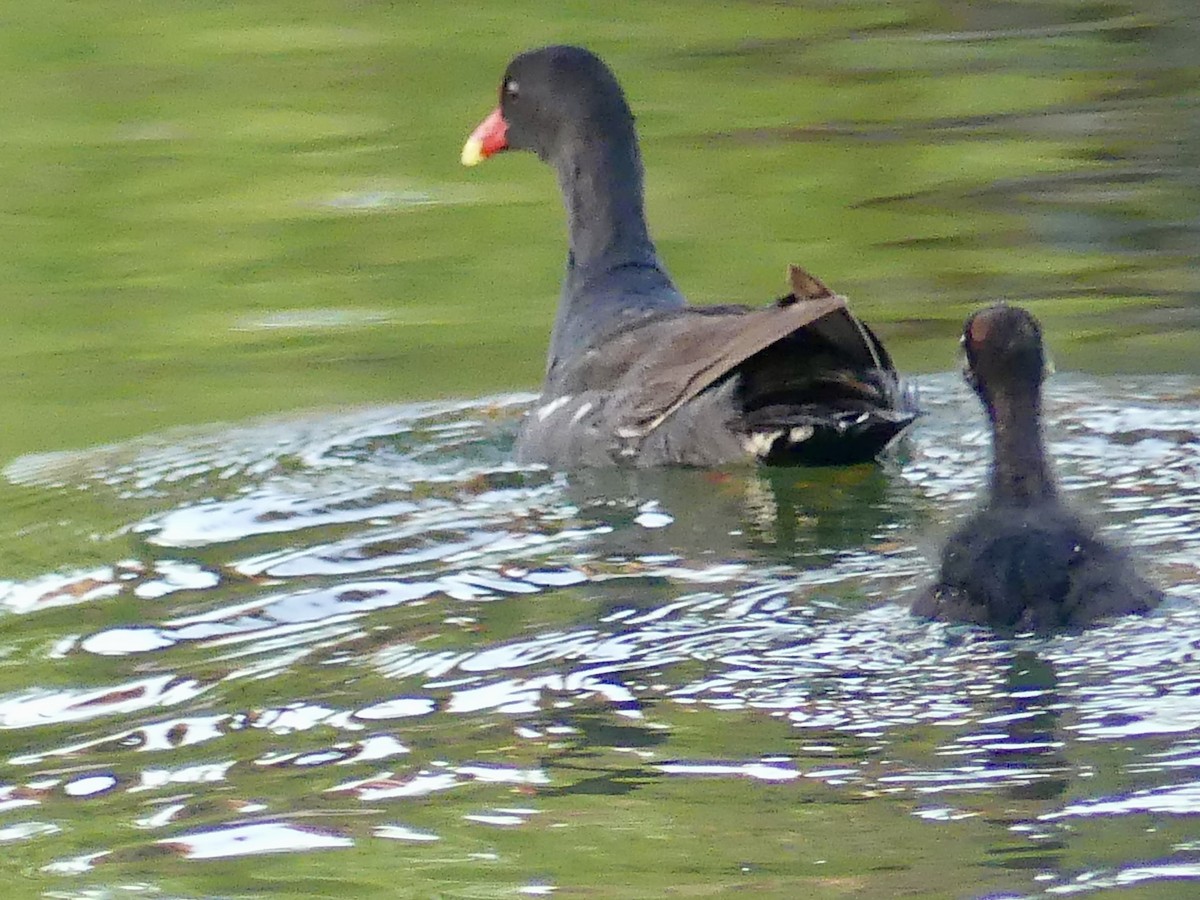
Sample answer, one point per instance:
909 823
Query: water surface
219 210
350 649
308 654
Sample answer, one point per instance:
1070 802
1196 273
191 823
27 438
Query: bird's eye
511 89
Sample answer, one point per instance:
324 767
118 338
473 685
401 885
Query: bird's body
634 374
1039 568
800 381
1025 561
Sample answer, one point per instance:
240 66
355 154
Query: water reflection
1031 729
367 633
254 840
385 617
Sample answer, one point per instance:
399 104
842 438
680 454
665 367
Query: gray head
1004 351
552 99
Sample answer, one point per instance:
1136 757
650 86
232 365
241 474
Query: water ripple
378 612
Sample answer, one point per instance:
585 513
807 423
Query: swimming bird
635 375
1025 561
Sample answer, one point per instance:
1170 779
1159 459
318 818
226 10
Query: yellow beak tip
472 152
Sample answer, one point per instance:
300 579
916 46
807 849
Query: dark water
370 635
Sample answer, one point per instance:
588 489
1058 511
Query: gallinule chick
636 376
1025 562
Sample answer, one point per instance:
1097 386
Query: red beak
490 137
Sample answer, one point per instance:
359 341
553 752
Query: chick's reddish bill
489 137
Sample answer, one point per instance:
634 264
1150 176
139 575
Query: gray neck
613 272
1020 472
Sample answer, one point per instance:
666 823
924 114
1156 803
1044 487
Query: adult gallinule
635 375
1025 562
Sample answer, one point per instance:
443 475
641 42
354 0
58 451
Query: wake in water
347 585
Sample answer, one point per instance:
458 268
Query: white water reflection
25 831
1179 800
760 771
404 833
89 786
59 589
208 773
425 782
254 840
74 865
44 706
1096 881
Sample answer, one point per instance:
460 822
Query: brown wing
660 364
846 331
690 353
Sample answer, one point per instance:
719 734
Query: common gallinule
1024 561
635 375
